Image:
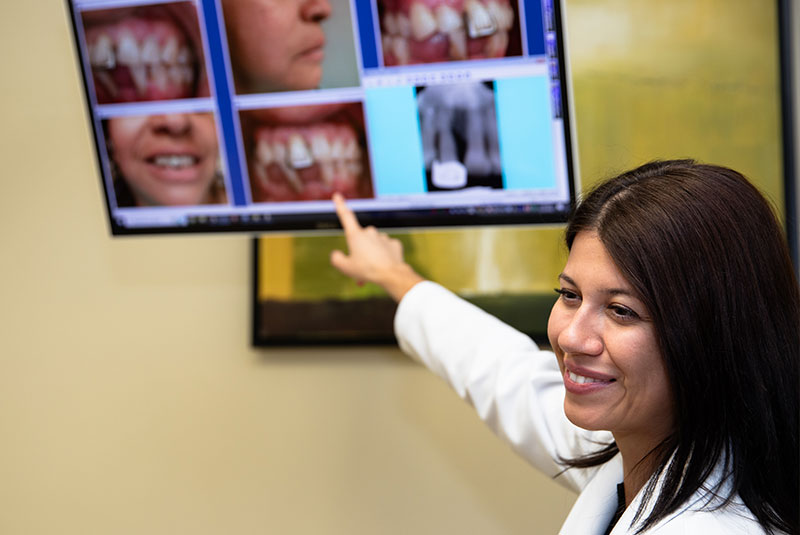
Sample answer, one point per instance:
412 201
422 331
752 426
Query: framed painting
298 298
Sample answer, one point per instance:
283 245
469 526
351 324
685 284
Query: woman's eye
623 313
567 295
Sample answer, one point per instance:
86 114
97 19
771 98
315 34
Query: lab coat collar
596 503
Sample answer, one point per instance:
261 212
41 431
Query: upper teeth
479 21
105 53
581 379
102 53
339 154
148 62
174 160
299 154
448 19
423 21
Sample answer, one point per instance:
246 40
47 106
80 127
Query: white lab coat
518 391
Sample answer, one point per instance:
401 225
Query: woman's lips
579 380
175 167
316 55
315 52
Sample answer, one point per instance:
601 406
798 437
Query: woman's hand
373 256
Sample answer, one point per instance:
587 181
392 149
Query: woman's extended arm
373 256
516 388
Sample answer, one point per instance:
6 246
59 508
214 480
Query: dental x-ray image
460 144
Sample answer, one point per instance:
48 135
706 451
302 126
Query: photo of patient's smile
305 153
165 159
145 53
432 31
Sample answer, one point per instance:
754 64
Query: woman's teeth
161 63
175 161
330 152
477 19
580 379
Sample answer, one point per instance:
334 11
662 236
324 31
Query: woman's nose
315 10
582 334
174 124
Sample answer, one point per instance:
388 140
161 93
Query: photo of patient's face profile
276 45
432 31
145 53
306 153
165 160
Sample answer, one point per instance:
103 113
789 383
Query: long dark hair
706 254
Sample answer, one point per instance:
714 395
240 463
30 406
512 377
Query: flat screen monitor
247 115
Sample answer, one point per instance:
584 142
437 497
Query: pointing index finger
346 216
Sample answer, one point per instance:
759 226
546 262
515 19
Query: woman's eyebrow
567 279
609 291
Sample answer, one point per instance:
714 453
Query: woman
673 406
165 160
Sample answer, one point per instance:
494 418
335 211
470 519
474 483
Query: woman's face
166 159
606 347
276 45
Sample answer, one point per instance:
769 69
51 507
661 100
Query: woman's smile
579 380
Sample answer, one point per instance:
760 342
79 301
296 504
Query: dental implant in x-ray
459 124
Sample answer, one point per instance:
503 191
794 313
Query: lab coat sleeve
515 387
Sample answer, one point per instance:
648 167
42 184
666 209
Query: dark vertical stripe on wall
788 105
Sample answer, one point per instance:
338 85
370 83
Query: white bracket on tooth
102 53
478 20
299 155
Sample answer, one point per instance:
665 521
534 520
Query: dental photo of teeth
432 31
145 53
165 160
306 153
460 145
281 45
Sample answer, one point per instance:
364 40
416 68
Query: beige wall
131 402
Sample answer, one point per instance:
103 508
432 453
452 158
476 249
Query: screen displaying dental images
145 52
420 31
169 159
290 45
458 126
219 115
306 153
